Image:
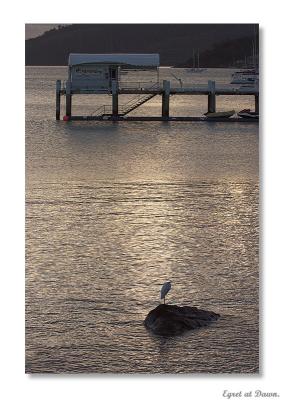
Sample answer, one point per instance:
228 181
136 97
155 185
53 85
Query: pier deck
157 118
144 92
189 90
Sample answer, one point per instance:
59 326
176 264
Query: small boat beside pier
220 114
247 113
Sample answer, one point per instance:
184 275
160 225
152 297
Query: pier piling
211 97
166 99
68 99
58 88
256 104
114 90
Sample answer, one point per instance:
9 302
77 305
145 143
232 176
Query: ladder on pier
123 109
135 103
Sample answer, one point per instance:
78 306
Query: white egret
165 289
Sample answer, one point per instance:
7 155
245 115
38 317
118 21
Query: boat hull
221 114
249 115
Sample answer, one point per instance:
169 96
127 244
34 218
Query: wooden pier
119 112
99 74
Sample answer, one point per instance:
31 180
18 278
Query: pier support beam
58 88
166 99
211 97
114 90
256 104
68 99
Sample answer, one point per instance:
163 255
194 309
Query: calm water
115 209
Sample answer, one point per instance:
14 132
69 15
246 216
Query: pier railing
102 110
179 87
122 85
139 85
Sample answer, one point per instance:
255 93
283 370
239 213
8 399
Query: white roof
143 60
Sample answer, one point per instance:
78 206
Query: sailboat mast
198 59
253 54
256 49
193 59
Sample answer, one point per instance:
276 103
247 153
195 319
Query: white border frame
14 381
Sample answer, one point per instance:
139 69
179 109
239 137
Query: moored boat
220 114
247 113
245 77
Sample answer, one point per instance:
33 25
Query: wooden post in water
211 97
68 99
166 99
114 90
58 88
256 103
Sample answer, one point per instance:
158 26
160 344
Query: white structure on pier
100 71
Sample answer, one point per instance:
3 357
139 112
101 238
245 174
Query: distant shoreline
217 45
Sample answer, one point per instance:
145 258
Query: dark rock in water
169 320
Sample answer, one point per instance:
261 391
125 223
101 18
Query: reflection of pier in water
102 74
